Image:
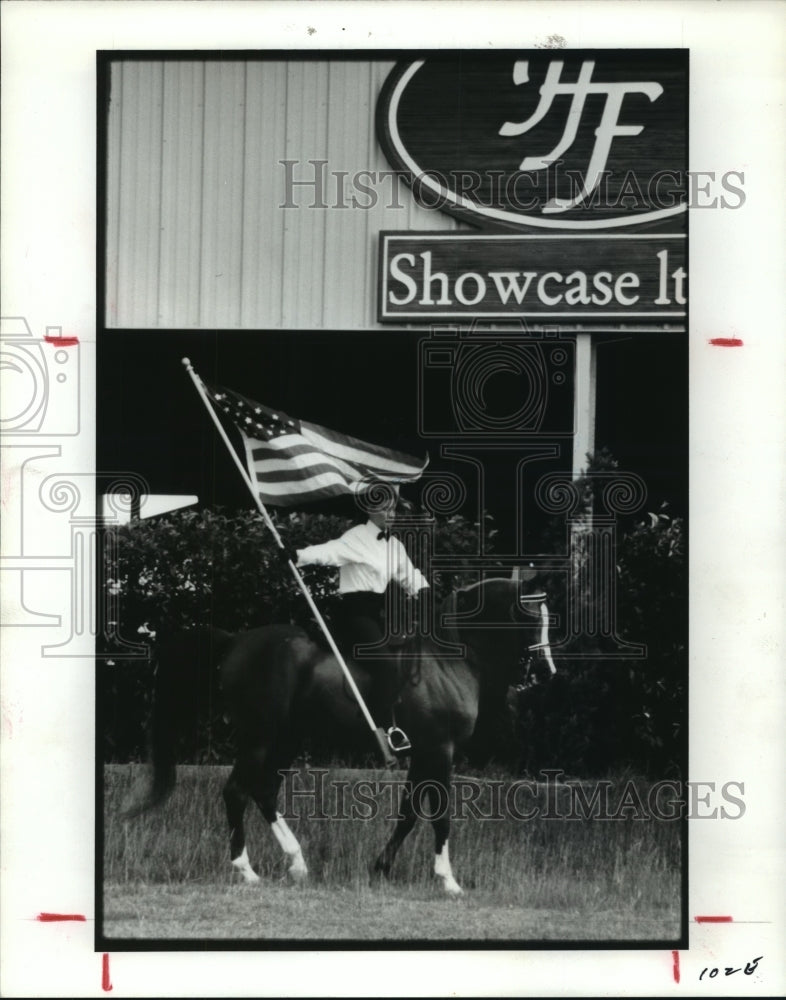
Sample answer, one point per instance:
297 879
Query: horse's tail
185 672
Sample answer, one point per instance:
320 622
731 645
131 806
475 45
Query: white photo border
737 464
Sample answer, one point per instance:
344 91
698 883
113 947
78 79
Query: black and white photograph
404 543
391 429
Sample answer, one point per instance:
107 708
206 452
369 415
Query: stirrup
398 741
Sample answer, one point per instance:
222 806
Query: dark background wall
152 422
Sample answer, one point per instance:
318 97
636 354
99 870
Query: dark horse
278 684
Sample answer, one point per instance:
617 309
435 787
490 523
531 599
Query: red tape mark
712 920
62 341
676 965
49 917
726 342
106 982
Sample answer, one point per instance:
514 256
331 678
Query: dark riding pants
361 617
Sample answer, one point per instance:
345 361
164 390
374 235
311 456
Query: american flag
292 461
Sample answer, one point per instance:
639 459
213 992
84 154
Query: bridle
544 627
452 634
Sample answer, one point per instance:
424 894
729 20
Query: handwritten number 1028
750 968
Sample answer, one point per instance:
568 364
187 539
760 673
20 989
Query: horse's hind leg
235 800
406 821
265 793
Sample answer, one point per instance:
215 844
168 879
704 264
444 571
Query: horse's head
504 622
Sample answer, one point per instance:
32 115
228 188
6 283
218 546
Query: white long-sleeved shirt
365 561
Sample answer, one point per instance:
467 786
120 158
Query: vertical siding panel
372 216
181 195
233 146
222 194
391 209
379 217
114 134
143 192
127 113
314 222
344 230
291 250
263 218
209 200
376 215
304 227
150 215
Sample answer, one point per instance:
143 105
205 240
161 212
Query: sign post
584 390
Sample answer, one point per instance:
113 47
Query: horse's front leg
437 787
288 842
427 794
442 867
404 824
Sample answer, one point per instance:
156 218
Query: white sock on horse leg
443 870
290 846
242 866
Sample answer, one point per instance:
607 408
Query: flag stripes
293 461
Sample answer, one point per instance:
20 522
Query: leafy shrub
597 715
600 713
207 567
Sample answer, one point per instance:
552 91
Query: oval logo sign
551 139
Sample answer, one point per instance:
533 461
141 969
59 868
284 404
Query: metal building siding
179 297
196 235
139 102
263 232
304 228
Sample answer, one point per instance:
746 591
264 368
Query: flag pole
378 734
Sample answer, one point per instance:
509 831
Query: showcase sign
564 141
579 277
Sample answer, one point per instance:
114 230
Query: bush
597 715
207 567
600 713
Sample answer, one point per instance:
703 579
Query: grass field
167 875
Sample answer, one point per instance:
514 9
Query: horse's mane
449 633
412 651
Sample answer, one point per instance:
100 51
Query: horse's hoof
241 866
247 877
377 872
297 874
451 888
